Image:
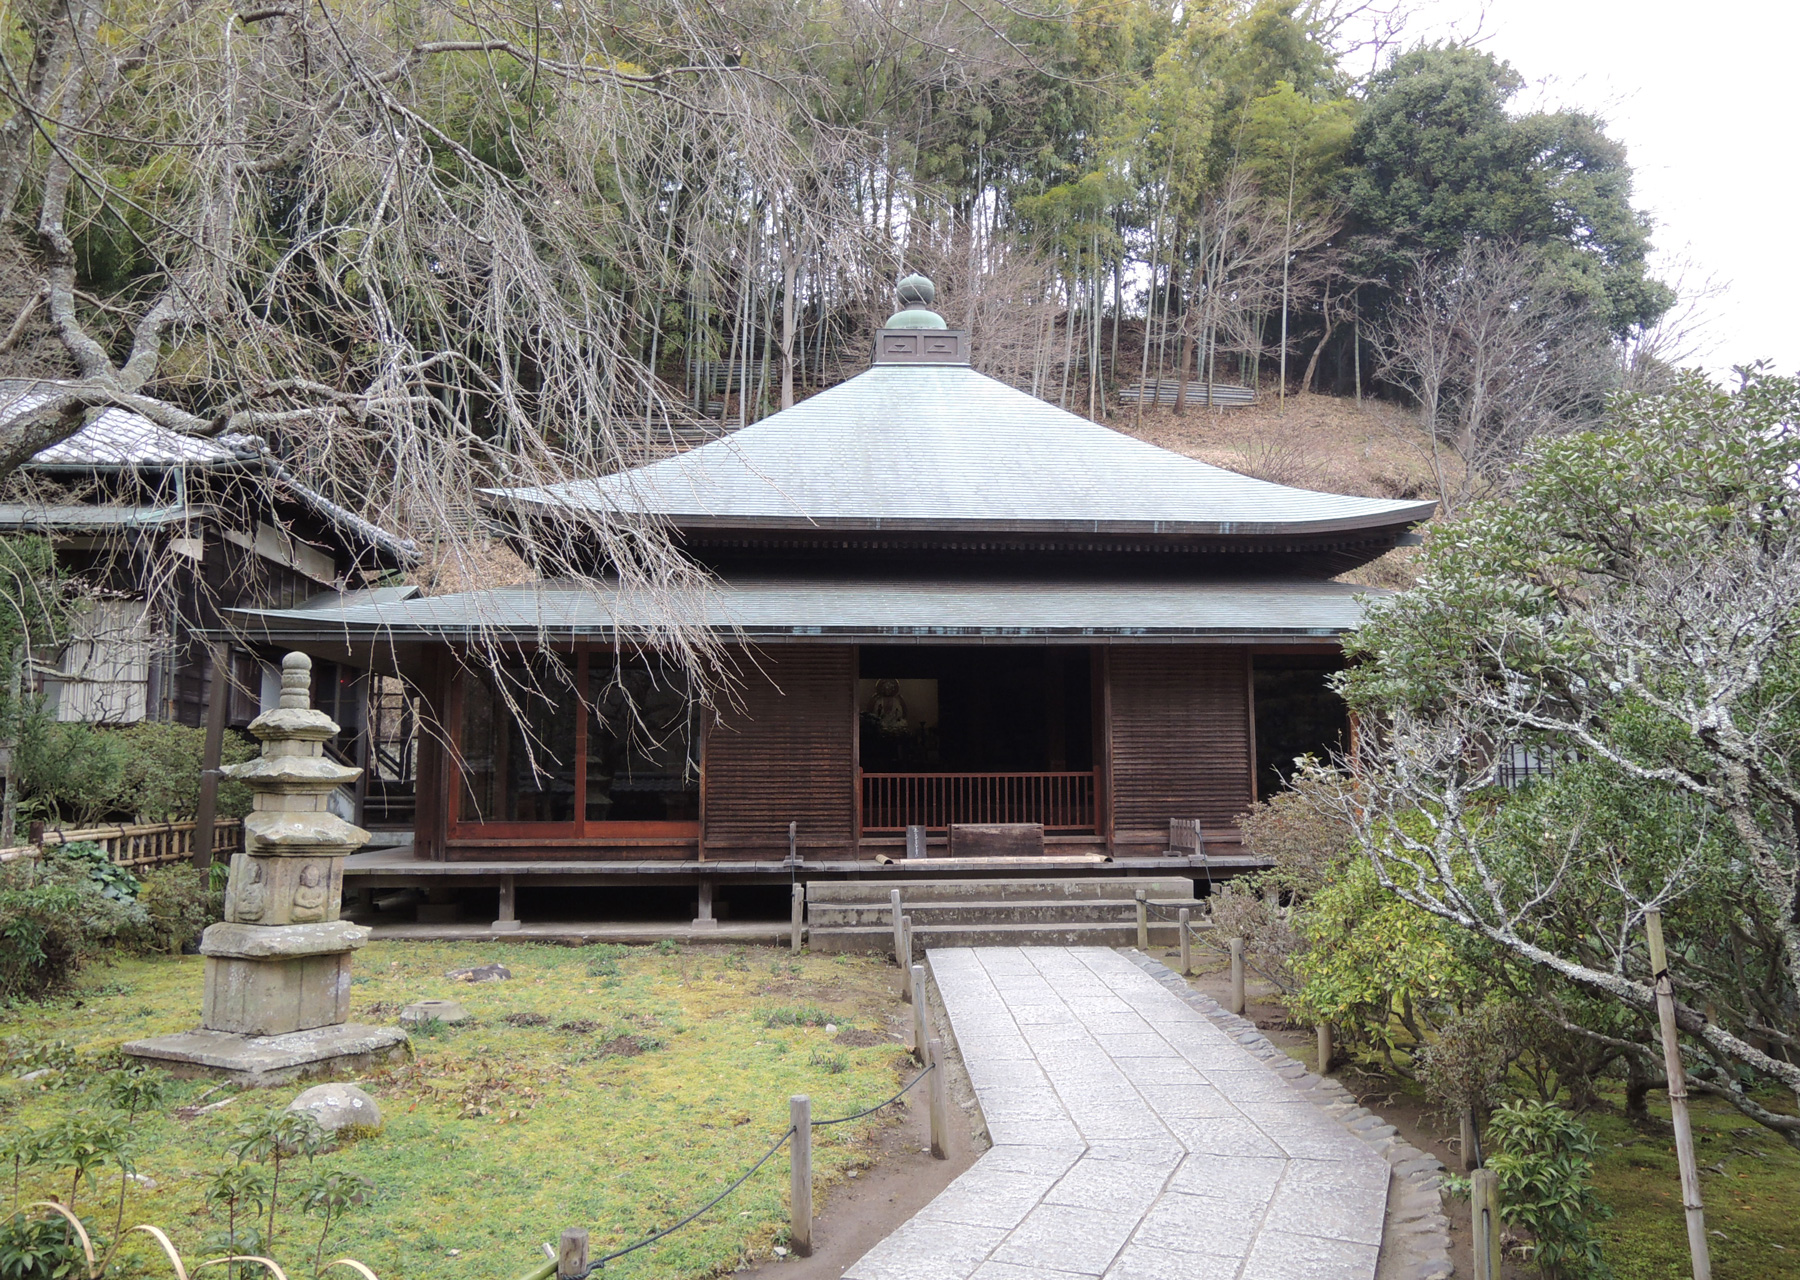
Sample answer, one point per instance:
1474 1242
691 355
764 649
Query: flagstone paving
1133 1139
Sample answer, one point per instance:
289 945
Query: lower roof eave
354 637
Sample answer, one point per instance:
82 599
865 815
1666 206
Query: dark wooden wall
785 754
1179 738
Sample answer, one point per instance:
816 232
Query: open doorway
960 733
1297 714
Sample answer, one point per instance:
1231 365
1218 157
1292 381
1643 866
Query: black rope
820 1124
650 1240
746 1175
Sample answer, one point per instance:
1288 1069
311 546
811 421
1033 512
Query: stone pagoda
277 999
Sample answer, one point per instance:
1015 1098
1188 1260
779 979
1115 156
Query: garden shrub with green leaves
1545 1167
77 774
58 912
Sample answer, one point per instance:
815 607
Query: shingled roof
116 439
934 446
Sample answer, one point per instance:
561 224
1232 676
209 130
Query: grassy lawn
501 1133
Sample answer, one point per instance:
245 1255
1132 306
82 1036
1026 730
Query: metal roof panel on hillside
920 446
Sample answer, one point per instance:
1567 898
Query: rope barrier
650 1240
748 1173
820 1124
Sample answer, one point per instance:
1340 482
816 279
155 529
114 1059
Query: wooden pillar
705 920
207 813
572 1254
507 920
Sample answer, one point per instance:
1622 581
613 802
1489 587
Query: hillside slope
1372 450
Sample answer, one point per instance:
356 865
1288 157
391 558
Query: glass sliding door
518 740
643 746
591 744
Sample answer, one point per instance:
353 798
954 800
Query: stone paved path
1133 1140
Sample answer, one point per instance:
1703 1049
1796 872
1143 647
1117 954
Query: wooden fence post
1471 1147
797 925
1187 958
1237 976
1324 1030
894 907
1143 922
572 1254
1484 1214
940 1100
905 957
1678 1098
921 1032
800 1175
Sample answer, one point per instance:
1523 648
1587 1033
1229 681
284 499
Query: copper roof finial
916 296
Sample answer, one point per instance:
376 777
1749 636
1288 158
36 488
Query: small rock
851 1174
39 1074
485 973
831 1028
339 1106
448 1012
148 1184
780 1252
455 1253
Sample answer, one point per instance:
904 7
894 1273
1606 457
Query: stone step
827 915
1040 889
1093 934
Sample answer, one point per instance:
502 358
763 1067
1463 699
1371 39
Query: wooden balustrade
155 844
1062 802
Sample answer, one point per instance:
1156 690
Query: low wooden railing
895 801
154 844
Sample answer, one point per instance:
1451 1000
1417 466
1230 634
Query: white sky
1704 96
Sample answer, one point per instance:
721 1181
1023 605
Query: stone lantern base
275 1007
265 1060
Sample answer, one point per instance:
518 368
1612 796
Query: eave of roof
924 447
77 518
767 610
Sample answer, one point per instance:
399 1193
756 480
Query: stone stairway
857 915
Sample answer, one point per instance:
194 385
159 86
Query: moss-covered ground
652 1079
1749 1183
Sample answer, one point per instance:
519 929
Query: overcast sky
1703 95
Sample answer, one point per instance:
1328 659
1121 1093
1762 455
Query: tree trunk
1312 365
788 269
1181 369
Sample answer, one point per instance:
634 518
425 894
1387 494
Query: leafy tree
1438 159
1627 621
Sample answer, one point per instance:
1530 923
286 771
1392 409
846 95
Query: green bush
1545 1166
84 857
180 902
56 913
160 776
68 772
41 1248
80 774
